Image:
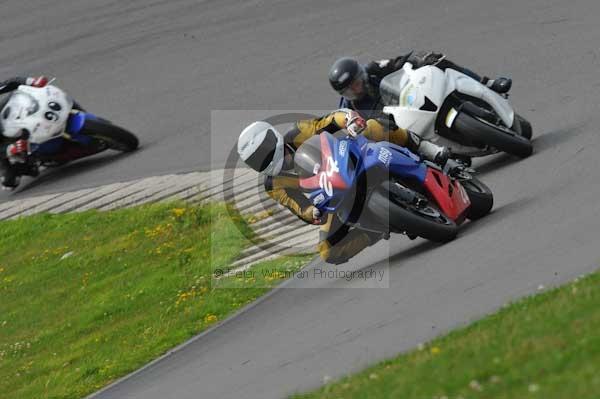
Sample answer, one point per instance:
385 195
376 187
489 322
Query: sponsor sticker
318 199
408 96
342 149
384 156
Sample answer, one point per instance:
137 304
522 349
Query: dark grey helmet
348 78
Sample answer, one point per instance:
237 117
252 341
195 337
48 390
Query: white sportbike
454 110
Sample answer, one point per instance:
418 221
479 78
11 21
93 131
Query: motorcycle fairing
394 160
408 90
72 132
342 161
467 85
48 147
332 176
42 111
449 194
75 124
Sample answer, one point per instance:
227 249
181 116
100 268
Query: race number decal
324 183
51 116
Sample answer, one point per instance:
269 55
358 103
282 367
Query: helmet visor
263 156
20 105
356 89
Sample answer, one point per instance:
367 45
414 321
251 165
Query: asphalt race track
159 67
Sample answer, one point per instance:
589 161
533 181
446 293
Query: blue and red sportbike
382 187
56 129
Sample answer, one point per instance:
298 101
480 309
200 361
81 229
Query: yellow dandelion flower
435 350
179 212
210 318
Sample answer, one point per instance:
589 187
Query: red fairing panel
450 195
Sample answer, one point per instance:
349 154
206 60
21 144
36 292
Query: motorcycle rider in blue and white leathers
14 151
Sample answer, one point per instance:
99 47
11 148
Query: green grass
545 346
86 298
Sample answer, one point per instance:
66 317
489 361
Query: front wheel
482 199
526 130
115 137
425 220
480 130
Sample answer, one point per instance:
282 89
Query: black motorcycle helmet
348 78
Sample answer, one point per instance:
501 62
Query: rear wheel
424 220
482 199
115 137
478 129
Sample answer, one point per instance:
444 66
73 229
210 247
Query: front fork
75 126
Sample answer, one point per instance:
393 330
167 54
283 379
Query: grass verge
544 346
88 297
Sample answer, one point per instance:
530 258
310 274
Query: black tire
403 218
526 130
480 130
115 137
482 199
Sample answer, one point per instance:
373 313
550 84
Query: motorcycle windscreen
391 86
307 159
325 169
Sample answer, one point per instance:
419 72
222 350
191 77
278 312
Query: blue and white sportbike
385 188
57 129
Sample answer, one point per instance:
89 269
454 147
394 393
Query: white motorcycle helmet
261 147
14 114
43 112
